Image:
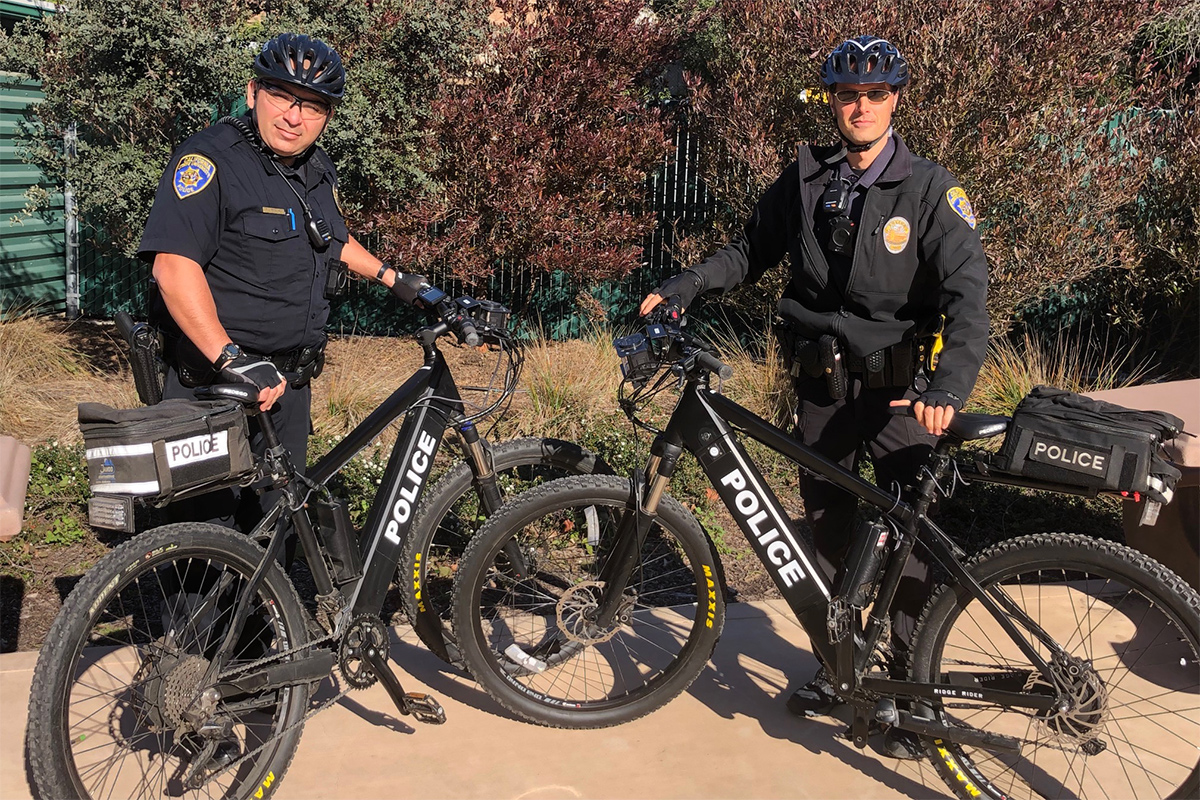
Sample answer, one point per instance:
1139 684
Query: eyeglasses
850 96
283 100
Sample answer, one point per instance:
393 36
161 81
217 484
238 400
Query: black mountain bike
185 663
1051 665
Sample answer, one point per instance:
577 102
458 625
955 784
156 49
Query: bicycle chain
312 712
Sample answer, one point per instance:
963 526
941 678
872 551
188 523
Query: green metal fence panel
32 247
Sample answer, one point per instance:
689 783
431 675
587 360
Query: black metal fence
549 302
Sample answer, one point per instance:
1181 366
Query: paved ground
729 736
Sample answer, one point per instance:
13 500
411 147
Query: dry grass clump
44 375
1013 367
360 373
566 382
759 382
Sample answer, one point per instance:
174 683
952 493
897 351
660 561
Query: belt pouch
901 367
833 367
309 363
874 374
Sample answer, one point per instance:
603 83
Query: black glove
682 289
408 286
252 370
936 398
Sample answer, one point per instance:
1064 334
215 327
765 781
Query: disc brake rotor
1085 710
576 613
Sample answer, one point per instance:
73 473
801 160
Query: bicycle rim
535 628
1131 679
136 666
434 568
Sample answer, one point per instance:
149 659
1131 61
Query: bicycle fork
641 509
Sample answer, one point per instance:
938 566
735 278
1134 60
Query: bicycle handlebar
664 343
472 321
714 364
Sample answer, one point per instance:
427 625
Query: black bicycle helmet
305 62
865 59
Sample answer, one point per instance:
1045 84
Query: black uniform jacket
222 203
917 256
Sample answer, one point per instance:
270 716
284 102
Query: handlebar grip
714 364
469 334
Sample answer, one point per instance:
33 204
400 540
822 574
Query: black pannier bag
157 452
1061 437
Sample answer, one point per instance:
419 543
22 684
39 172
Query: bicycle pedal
425 708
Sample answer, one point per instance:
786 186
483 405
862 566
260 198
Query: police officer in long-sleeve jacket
885 255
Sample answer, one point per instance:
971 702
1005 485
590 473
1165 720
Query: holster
310 363
801 356
145 359
833 366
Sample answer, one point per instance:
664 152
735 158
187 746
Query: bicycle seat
242 392
977 426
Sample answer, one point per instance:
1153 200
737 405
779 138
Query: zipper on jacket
878 228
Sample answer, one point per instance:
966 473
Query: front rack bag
1061 437
157 452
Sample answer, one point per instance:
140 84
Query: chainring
363 632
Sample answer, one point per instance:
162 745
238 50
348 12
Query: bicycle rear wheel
1129 631
124 662
526 630
453 511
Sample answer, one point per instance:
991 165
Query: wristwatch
228 353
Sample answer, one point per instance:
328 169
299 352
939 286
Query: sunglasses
850 96
283 100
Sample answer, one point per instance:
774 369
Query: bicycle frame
704 422
432 403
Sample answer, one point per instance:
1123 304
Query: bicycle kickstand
421 706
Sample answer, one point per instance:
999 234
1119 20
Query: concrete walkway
729 736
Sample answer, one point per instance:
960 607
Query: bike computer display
431 296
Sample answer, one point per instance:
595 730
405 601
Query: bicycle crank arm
306 669
421 706
886 712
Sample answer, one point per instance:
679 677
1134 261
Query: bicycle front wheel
527 629
454 510
1126 668
123 666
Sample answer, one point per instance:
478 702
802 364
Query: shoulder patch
958 201
896 234
193 173
337 201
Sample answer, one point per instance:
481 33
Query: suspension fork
641 509
490 496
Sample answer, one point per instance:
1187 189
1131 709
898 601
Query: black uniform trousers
243 507
898 445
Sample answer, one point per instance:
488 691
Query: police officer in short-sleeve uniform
244 231
884 253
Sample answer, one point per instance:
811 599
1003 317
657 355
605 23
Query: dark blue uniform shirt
223 203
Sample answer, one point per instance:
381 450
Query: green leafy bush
56 501
137 78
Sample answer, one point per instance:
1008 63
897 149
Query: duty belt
896 365
305 363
